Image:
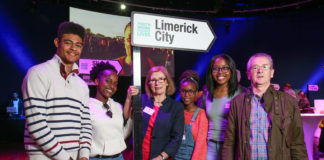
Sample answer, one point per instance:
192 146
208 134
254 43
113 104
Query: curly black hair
98 67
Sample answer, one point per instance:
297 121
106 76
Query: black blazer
168 127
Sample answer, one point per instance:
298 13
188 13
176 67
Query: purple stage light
12 45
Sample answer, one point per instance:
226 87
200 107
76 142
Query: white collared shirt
108 133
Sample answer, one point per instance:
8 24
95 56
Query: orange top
200 125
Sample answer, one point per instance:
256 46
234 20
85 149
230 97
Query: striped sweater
57 112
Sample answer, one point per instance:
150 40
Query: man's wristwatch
163 158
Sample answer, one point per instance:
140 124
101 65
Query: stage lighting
122 6
316 77
12 44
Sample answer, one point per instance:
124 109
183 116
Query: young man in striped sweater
56 102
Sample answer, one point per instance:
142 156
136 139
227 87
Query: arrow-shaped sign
160 31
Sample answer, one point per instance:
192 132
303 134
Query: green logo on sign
143 29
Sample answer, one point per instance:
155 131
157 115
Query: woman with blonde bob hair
170 89
163 117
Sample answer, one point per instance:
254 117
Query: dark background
294 39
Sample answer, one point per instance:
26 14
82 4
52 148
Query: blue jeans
214 150
120 157
187 145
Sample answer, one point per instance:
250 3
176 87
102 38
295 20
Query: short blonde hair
170 89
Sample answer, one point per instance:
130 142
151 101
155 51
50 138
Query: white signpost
160 31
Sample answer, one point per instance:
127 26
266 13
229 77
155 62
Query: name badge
227 105
148 110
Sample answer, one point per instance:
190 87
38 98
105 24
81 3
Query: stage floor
12 151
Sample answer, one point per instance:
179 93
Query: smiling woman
221 87
163 117
107 116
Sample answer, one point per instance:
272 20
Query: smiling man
263 123
58 122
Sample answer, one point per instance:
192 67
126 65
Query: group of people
301 98
226 122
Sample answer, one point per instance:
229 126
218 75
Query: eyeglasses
190 91
263 67
109 113
222 69
160 80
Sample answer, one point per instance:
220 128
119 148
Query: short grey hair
266 55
